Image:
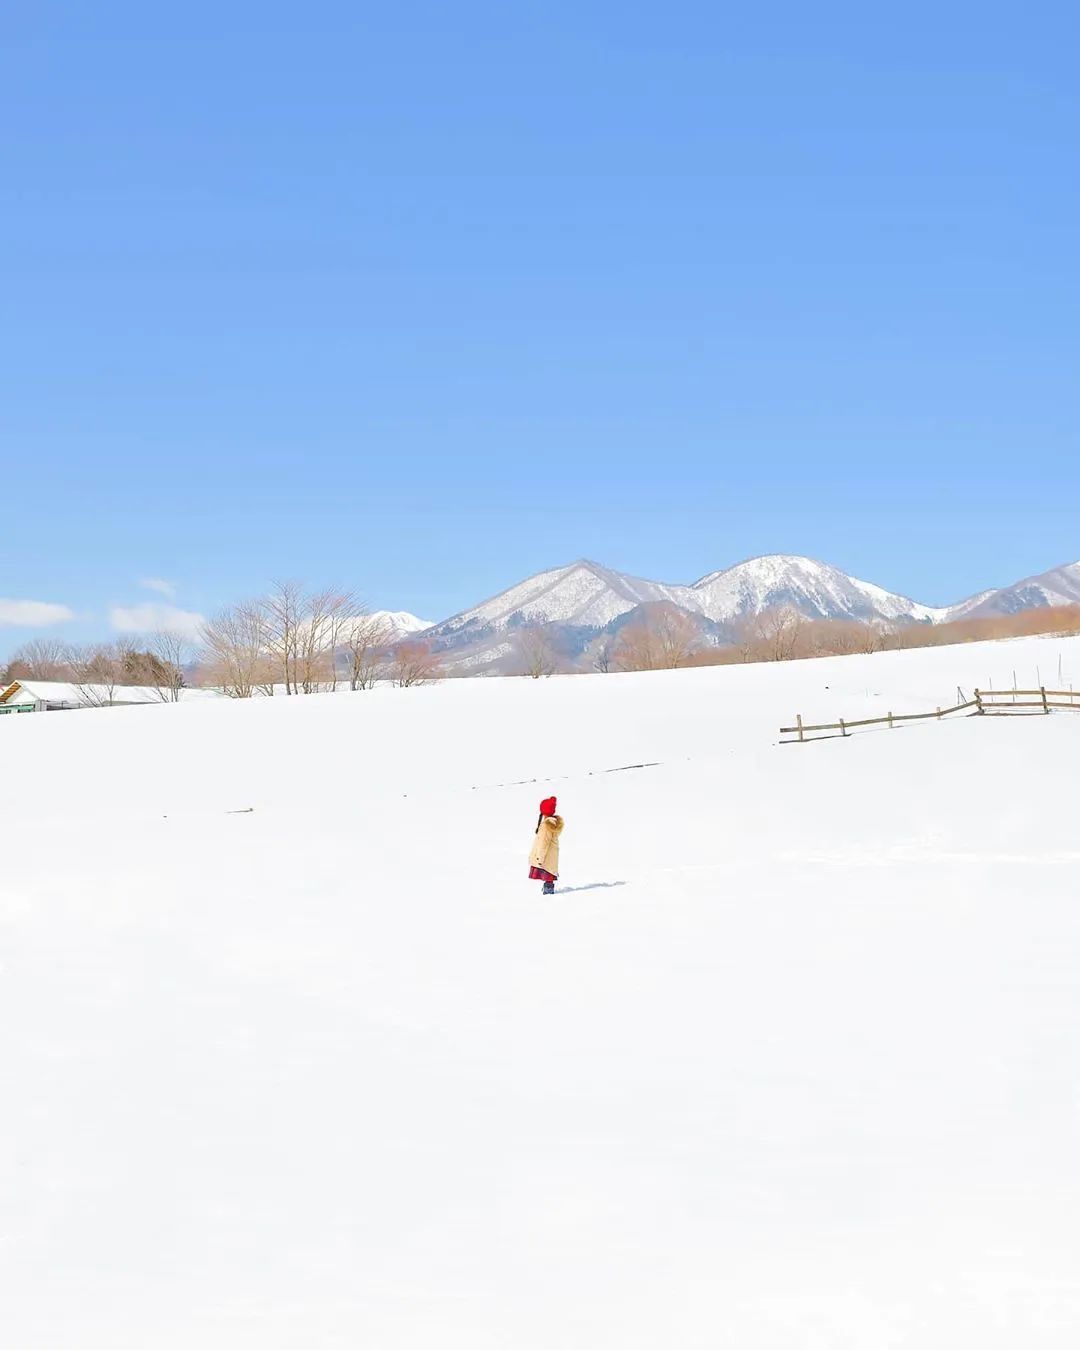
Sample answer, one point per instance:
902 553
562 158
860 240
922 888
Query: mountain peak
816 589
769 564
400 621
581 594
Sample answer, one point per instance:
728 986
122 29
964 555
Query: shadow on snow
592 886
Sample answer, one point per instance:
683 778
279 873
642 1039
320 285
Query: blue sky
421 298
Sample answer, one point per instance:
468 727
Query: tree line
289 641
295 641
98 669
784 634
664 637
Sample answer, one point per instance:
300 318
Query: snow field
790 1060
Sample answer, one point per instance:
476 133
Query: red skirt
538 874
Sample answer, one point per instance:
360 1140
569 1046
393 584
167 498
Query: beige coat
545 851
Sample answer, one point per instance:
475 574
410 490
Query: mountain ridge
583 598
587 594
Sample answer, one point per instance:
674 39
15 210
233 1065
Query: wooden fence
994 702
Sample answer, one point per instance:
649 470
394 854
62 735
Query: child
544 859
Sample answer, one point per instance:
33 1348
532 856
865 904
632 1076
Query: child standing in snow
544 859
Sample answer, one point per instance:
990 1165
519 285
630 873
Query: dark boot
549 888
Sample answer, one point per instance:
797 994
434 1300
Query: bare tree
773 635
41 659
304 632
414 663
281 625
676 636
536 652
365 640
603 655
340 608
237 656
783 629
898 636
323 617
172 652
663 638
96 671
635 648
131 664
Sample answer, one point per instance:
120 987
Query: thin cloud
152 618
32 614
158 584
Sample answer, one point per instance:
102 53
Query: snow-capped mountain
587 595
1059 586
584 599
401 621
813 588
582 595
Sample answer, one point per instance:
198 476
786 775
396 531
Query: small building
14 700
55 696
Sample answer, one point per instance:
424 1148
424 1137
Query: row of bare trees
783 634
287 639
665 637
1064 619
295 641
99 669
291 641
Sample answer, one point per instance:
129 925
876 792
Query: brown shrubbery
664 638
785 635
536 650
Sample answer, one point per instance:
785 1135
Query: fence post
798 719
939 714
890 722
978 702
1042 690
843 729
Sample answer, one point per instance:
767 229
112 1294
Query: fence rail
994 702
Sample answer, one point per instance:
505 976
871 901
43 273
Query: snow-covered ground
293 1055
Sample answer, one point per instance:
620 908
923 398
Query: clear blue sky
424 297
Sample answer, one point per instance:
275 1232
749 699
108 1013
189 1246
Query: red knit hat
547 806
